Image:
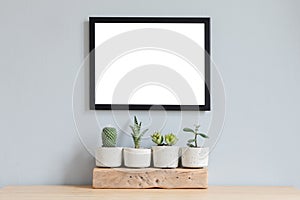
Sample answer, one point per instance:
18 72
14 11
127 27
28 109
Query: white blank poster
149 73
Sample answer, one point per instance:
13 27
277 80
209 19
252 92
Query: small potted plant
137 157
194 156
109 155
165 155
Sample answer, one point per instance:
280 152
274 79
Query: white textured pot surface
194 157
165 156
137 158
108 156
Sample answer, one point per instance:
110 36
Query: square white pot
108 156
165 156
194 157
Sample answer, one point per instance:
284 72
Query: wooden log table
87 192
110 178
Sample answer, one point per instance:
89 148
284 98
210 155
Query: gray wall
255 44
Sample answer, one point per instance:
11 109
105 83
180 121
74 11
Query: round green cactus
109 137
171 139
157 138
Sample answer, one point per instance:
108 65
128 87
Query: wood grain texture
86 192
106 178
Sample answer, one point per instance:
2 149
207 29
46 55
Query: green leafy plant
193 142
170 139
136 133
157 138
109 137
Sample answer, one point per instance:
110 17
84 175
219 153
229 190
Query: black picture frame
204 20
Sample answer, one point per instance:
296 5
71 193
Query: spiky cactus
136 133
170 139
109 137
157 138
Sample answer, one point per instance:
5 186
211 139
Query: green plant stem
196 145
136 144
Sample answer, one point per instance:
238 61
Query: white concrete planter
165 156
137 158
194 157
108 156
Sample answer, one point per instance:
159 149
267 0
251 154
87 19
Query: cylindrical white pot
165 156
137 158
108 156
194 157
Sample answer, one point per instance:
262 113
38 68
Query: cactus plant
158 138
193 142
109 137
136 133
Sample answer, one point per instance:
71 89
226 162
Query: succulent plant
109 137
170 139
136 133
193 142
158 138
